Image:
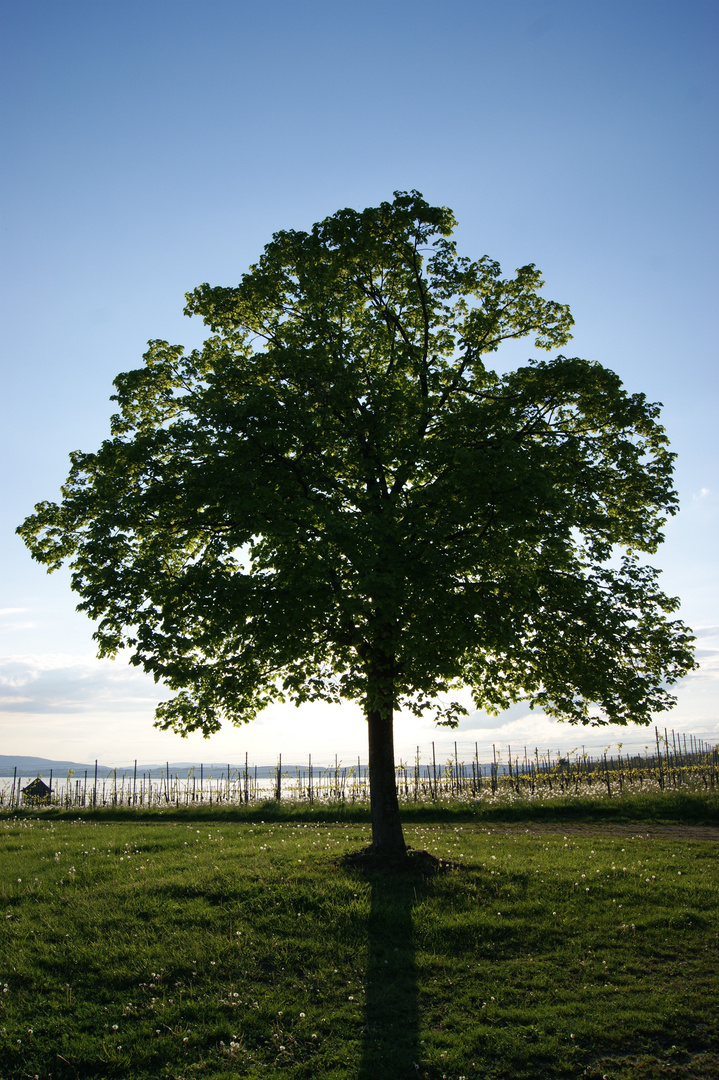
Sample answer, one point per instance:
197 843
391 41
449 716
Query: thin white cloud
707 654
708 665
58 683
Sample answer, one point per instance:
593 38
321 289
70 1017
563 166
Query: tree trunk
387 837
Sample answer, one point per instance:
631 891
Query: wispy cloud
708 665
57 683
8 622
707 654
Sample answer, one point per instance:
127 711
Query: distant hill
26 765
29 766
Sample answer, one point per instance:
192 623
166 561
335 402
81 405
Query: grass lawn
191 945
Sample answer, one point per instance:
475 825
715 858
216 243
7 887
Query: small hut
37 793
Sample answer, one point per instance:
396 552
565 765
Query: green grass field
574 941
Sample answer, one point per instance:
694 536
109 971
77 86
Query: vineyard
677 762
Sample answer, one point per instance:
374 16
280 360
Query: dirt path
608 829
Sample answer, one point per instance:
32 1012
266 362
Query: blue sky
149 147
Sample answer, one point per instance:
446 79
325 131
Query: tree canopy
337 497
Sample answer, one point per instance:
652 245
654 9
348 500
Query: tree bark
387 836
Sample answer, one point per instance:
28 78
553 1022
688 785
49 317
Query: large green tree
336 498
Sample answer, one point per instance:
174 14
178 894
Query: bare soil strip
609 829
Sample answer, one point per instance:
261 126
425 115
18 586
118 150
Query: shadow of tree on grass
390 1035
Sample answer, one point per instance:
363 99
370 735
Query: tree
335 498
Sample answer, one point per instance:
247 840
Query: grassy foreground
190 946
